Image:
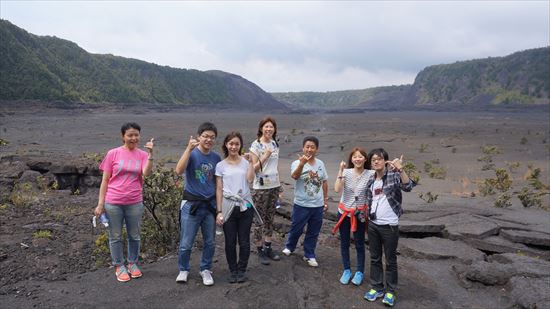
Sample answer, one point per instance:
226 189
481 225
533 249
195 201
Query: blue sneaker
389 299
346 276
358 278
373 294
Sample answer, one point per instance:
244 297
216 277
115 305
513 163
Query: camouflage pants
264 200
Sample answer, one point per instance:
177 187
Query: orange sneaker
134 270
122 273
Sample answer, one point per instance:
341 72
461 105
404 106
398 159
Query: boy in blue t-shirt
310 200
198 207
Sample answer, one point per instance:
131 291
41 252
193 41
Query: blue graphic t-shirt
199 174
308 191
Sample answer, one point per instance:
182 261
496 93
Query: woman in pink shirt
120 196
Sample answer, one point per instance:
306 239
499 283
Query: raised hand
397 163
342 166
193 142
303 158
150 144
247 156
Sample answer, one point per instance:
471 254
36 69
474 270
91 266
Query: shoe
287 251
122 274
346 276
263 257
357 278
389 299
134 271
271 254
373 294
242 277
311 262
233 277
182 276
207 277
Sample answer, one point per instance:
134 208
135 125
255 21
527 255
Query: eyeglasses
209 137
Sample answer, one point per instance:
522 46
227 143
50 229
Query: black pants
238 227
386 237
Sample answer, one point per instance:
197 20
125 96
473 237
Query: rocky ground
456 252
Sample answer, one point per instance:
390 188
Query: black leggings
238 227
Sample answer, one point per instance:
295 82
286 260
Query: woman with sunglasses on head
235 210
384 198
120 196
352 208
267 187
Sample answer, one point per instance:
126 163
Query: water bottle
103 219
278 203
219 230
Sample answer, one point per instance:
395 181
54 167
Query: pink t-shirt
126 182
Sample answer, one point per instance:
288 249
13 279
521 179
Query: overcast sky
294 46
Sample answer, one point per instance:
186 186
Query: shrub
487 162
101 252
423 148
94 156
436 172
523 141
23 195
503 201
42 234
490 149
4 142
428 197
502 183
411 171
161 197
532 177
512 166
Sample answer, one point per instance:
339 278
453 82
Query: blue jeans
190 224
313 217
358 236
118 215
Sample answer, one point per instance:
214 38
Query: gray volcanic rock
501 267
527 237
435 248
12 170
463 225
501 245
531 292
407 226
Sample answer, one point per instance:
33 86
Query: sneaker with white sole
287 251
311 262
373 294
182 276
207 277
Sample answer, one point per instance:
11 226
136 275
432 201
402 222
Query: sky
290 45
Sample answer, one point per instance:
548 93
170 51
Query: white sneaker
207 277
287 251
311 262
182 276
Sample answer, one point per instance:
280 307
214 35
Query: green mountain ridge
522 78
46 68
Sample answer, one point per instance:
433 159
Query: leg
345 241
244 225
359 236
208 229
116 217
312 234
375 249
230 234
132 216
259 202
189 225
390 239
269 212
299 220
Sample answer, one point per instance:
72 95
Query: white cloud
292 46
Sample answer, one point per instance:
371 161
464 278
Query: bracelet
340 177
150 158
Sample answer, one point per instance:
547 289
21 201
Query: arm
339 182
149 165
296 173
250 172
184 160
256 159
219 200
102 191
325 194
406 183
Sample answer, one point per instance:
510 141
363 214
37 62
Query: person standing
384 198
310 200
198 207
235 210
267 187
121 197
352 212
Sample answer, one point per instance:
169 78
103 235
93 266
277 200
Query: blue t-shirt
308 191
199 174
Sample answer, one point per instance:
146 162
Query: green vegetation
434 170
411 171
428 197
503 201
51 69
423 148
3 142
42 234
490 150
94 156
502 183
